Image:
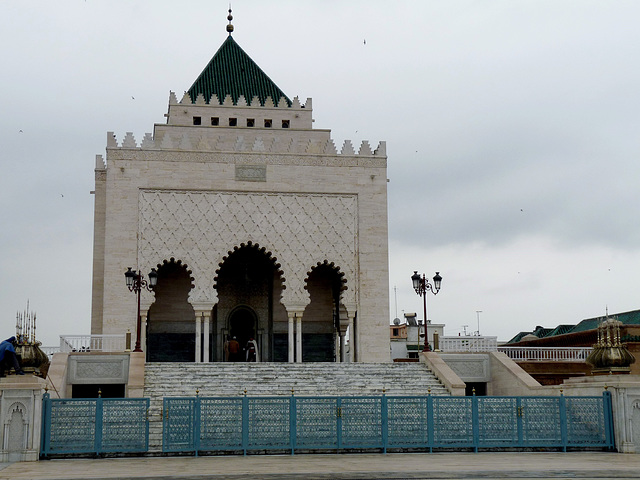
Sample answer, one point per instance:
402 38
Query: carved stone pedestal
20 418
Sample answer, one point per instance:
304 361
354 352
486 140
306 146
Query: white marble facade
193 192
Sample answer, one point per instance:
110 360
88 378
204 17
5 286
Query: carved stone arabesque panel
201 227
93 370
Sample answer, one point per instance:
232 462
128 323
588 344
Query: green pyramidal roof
232 72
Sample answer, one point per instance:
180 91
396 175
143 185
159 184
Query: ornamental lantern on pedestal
609 356
32 358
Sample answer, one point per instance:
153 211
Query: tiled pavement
582 465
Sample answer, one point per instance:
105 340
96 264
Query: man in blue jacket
8 359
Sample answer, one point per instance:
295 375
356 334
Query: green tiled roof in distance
627 318
518 337
542 332
232 72
560 330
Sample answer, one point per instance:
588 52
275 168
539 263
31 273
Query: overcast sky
511 129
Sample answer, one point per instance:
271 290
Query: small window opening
233 122
267 123
197 120
285 123
251 122
215 121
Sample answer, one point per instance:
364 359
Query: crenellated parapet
245 142
272 114
227 101
246 126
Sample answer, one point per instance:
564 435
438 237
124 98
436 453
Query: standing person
252 350
234 350
8 359
226 348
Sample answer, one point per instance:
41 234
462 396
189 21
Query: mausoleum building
258 225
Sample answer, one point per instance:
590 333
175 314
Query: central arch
249 284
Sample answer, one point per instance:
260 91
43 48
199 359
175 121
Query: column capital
352 308
202 307
296 310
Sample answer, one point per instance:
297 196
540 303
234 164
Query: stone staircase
269 379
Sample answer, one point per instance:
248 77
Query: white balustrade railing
468 343
50 350
546 354
92 343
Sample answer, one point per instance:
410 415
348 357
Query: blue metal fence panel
585 421
94 425
540 418
497 421
316 420
269 424
179 420
221 423
125 426
73 426
361 422
408 421
452 422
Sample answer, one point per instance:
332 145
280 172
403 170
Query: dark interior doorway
242 325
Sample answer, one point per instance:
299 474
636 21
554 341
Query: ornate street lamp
421 286
135 283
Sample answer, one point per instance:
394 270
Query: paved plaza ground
582 465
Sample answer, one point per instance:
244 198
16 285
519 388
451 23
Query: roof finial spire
230 17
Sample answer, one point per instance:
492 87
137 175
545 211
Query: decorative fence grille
94 425
240 424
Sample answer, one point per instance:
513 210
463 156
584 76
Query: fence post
339 421
520 421
608 418
46 424
430 421
245 423
293 422
97 439
384 406
197 420
475 421
563 421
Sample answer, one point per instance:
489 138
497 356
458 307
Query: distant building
407 337
583 334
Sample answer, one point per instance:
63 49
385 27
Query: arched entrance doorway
171 318
243 323
249 285
323 321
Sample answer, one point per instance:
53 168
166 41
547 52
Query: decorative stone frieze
299 229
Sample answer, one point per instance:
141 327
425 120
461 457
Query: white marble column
198 353
207 330
299 338
290 345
